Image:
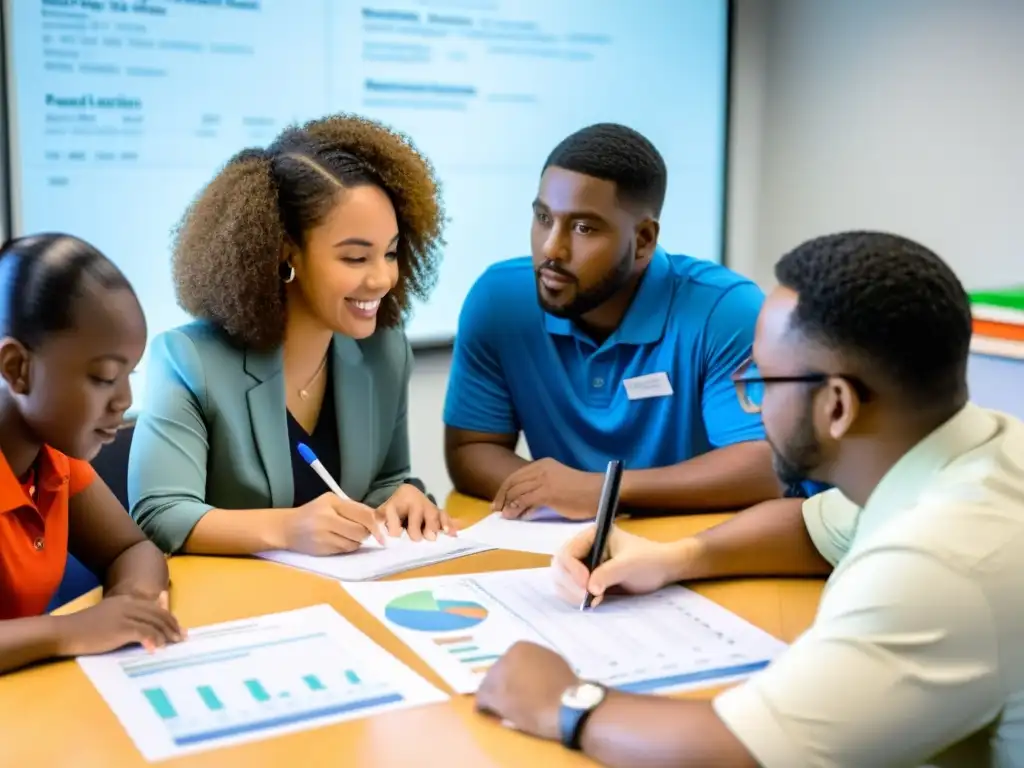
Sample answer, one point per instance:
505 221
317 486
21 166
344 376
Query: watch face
583 696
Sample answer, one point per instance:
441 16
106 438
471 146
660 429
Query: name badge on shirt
650 385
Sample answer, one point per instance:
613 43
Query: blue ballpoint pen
310 458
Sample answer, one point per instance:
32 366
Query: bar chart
208 696
468 652
249 681
160 701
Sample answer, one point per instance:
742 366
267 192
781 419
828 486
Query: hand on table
117 621
524 689
410 507
547 483
329 525
635 565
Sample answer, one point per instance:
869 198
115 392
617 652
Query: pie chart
422 612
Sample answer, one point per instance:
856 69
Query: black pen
606 511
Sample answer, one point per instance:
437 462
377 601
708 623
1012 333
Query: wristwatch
578 702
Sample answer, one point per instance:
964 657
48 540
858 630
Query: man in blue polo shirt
604 346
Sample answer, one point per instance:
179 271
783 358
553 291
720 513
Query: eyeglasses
750 387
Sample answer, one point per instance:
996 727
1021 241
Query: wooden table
52 716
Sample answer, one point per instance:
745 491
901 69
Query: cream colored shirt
916 656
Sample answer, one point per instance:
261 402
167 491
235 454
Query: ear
844 407
290 252
646 232
14 365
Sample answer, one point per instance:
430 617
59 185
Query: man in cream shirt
916 656
922 621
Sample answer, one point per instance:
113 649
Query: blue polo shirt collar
647 316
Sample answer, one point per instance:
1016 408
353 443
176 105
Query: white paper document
247 680
372 561
546 513
671 640
544 536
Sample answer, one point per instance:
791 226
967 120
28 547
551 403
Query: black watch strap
572 722
578 704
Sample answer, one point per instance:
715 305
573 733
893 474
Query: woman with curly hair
299 262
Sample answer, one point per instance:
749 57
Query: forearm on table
141 568
726 478
769 539
651 732
237 532
26 641
479 469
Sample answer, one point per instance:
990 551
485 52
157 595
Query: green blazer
213 429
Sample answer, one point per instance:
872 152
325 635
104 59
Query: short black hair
41 276
618 154
889 301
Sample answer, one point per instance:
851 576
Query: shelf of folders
998 322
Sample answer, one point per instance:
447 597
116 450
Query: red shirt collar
51 473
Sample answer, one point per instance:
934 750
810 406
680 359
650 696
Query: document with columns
252 679
671 640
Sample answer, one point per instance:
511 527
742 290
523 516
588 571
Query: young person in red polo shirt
71 331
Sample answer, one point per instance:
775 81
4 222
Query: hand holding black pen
606 511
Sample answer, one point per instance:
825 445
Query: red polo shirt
34 530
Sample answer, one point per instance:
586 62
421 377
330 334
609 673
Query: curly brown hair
228 246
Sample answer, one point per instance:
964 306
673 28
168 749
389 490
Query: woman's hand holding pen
330 525
635 565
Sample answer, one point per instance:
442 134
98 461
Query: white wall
747 101
426 430
906 115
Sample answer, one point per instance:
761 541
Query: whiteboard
121 110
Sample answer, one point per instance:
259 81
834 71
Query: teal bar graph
157 698
257 691
209 698
478 659
352 677
314 683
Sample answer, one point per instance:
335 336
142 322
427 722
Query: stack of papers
372 561
543 532
542 535
998 321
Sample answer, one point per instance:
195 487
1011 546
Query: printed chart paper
543 536
671 640
372 561
252 679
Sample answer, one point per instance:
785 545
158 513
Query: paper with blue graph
252 679
671 640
